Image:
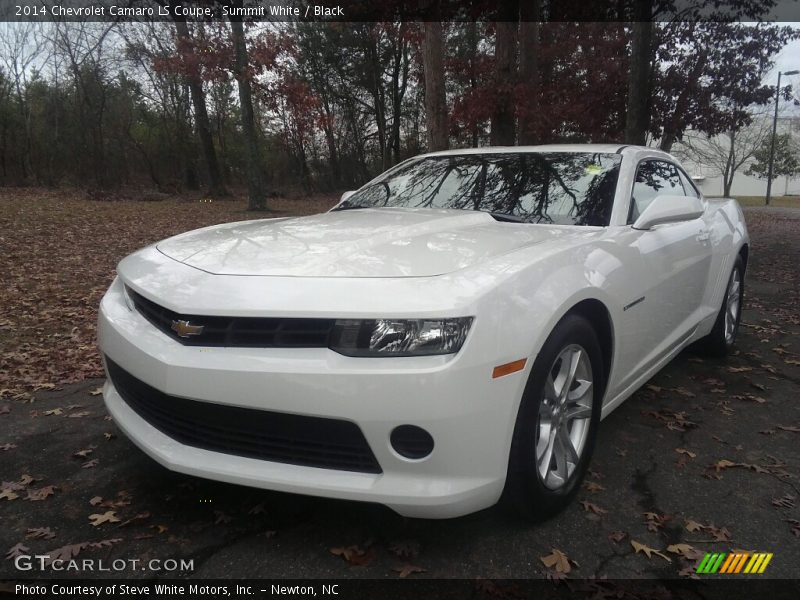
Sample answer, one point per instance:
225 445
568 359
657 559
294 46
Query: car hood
379 242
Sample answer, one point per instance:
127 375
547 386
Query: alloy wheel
732 307
564 416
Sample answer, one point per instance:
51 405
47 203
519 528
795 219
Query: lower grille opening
266 435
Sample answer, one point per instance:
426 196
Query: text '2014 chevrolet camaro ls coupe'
448 335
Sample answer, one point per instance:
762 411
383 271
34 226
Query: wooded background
217 106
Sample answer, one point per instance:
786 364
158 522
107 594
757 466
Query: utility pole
774 133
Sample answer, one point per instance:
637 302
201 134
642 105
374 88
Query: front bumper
469 414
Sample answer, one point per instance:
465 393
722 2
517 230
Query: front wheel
722 337
557 421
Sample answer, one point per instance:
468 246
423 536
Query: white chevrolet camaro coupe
448 335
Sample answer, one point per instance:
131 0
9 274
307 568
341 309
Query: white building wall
710 182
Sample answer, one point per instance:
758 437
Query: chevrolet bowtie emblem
185 329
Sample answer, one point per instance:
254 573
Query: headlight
399 337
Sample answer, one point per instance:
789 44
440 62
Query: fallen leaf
110 436
689 572
90 464
593 508
648 551
65 553
8 494
723 464
84 453
655 521
355 555
785 501
405 548
95 501
53 412
37 533
593 487
221 518
404 571
41 493
106 517
617 536
790 428
739 369
143 516
693 526
719 535
258 509
7 446
795 525
17 550
96 391
688 453
104 543
556 560
685 550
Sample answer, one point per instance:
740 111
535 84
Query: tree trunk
472 36
435 104
637 115
530 15
257 198
399 86
503 131
216 187
730 166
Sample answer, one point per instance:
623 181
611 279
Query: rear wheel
557 421
722 337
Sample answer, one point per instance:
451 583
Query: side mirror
669 209
346 195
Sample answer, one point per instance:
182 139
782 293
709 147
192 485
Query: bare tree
725 154
505 57
21 45
529 45
216 187
435 106
637 115
257 199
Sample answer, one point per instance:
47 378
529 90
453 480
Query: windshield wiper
505 217
349 207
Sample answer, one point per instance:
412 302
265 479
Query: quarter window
654 178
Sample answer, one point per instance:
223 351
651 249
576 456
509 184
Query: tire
536 488
723 336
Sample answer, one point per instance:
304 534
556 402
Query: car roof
600 148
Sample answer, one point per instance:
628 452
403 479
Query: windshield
563 188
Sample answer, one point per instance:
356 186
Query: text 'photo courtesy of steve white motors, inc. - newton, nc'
68 590
105 9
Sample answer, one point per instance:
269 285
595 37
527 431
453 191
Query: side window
688 186
653 178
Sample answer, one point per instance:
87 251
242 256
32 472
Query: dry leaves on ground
106 517
558 561
648 551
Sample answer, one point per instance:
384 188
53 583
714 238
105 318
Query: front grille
243 332
273 436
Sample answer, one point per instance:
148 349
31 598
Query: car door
675 259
